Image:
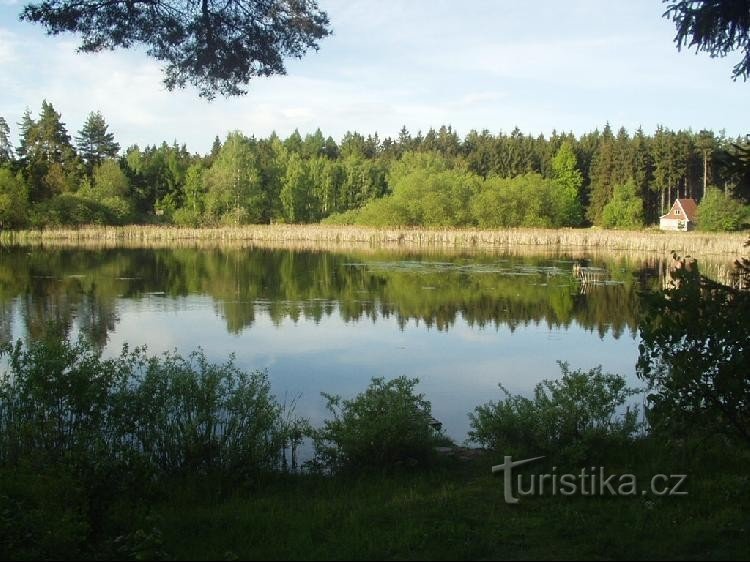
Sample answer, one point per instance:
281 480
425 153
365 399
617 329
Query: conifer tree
602 172
95 143
6 148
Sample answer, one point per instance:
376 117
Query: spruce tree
602 172
6 148
95 143
48 160
25 133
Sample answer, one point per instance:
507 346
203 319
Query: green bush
192 414
14 199
343 218
625 210
384 426
187 217
718 212
569 418
80 435
60 402
68 210
56 401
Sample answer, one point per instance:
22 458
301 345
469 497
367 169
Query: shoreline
695 244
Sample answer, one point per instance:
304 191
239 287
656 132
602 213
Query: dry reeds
685 243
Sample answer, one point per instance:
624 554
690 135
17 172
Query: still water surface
324 321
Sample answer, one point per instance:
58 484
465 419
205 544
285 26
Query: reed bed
319 236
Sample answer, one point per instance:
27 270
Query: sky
539 65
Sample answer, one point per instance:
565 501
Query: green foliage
48 160
735 164
625 210
14 200
60 402
296 190
385 425
6 147
186 216
362 181
111 190
573 418
68 210
717 27
110 180
425 192
42 513
428 191
456 512
234 194
435 180
694 355
602 175
569 180
218 48
195 192
195 415
717 212
522 201
95 143
352 216
80 435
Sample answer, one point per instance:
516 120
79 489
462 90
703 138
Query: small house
682 216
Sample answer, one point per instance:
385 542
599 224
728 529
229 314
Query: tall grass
693 243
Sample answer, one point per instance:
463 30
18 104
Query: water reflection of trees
81 288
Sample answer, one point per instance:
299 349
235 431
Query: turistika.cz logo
592 481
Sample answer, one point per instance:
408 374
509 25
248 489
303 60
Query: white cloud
8 45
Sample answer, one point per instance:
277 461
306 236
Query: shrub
625 210
569 418
528 200
60 402
187 413
80 434
68 210
56 401
14 199
386 425
718 212
344 218
187 217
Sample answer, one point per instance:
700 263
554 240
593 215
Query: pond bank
692 243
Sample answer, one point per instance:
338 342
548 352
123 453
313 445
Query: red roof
683 209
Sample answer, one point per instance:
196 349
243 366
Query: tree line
604 178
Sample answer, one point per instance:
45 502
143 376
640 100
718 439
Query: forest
604 178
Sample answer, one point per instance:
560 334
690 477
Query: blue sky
473 64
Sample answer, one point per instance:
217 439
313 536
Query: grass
693 243
457 511
451 510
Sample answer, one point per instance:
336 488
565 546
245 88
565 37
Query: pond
329 321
